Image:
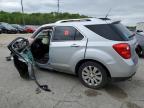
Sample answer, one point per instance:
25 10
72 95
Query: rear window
114 31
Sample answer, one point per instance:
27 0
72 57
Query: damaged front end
23 60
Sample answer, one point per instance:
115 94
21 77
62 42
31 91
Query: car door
67 45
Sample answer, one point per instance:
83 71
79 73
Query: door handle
75 45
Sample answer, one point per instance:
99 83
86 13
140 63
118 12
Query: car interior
40 46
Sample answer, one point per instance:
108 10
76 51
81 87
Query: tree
36 18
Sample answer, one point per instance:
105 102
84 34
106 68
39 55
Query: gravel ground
67 91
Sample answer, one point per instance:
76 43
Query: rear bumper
116 79
124 69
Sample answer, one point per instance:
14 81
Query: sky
128 11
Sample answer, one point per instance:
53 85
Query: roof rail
74 20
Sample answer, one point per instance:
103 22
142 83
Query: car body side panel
62 54
105 54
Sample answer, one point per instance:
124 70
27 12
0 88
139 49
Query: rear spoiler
110 20
116 22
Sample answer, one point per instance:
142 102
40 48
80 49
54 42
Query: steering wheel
19 44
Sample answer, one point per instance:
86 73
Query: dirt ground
67 91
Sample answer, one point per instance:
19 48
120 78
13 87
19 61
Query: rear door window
63 33
66 33
114 31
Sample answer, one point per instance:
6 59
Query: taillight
123 49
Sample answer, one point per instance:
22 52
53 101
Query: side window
44 36
42 32
66 33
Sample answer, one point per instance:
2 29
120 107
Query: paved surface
67 91
6 38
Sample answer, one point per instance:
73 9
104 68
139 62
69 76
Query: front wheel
92 75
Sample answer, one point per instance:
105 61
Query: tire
4 31
139 51
95 79
141 54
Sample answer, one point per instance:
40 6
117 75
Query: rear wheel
92 75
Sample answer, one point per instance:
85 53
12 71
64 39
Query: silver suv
97 50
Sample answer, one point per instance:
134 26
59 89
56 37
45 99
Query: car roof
82 21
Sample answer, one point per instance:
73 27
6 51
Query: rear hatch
128 37
115 31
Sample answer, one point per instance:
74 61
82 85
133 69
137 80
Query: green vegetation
131 28
35 18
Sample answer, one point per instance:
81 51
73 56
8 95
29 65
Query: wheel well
85 60
138 49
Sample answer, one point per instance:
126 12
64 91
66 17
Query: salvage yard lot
67 91
6 38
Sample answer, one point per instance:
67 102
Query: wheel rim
92 75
